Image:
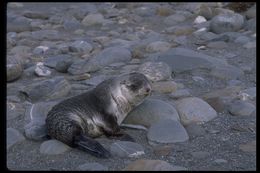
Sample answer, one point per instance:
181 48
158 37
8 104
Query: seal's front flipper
91 146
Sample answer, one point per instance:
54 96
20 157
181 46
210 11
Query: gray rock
167 131
220 103
81 47
158 46
20 50
251 24
46 34
227 22
250 45
151 165
18 24
14 110
251 92
40 50
14 68
63 66
53 147
180 93
126 149
182 59
96 80
145 11
36 115
41 70
52 61
155 71
195 130
71 24
104 58
234 82
150 112
164 86
227 72
251 12
242 39
94 166
36 14
13 137
241 108
45 90
14 5
220 161
217 45
93 19
174 19
194 109
180 30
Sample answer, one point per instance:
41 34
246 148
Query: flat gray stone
106 57
81 47
46 35
54 88
150 112
18 24
180 93
164 86
93 19
194 109
158 46
250 45
53 147
174 19
94 166
156 71
126 149
195 130
13 137
227 72
241 108
14 69
226 22
52 61
182 59
167 131
200 154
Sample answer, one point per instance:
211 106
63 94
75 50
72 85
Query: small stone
227 72
53 147
45 90
174 19
251 12
126 149
40 50
199 19
164 86
251 92
167 131
220 161
156 71
195 130
93 19
250 45
52 61
220 103
241 108
226 22
242 40
147 113
36 15
14 69
81 47
194 109
158 46
13 137
94 166
217 44
14 110
41 70
71 24
180 93
248 147
81 77
149 165
164 150
163 11
63 66
180 30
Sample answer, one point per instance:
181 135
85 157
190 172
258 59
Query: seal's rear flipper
91 146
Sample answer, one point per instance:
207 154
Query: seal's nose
148 89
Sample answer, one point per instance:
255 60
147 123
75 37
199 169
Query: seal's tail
90 146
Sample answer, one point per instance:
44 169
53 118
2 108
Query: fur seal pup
79 119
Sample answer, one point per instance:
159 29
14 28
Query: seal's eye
133 86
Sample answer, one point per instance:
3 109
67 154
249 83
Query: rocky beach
199 57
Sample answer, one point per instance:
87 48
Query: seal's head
135 87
